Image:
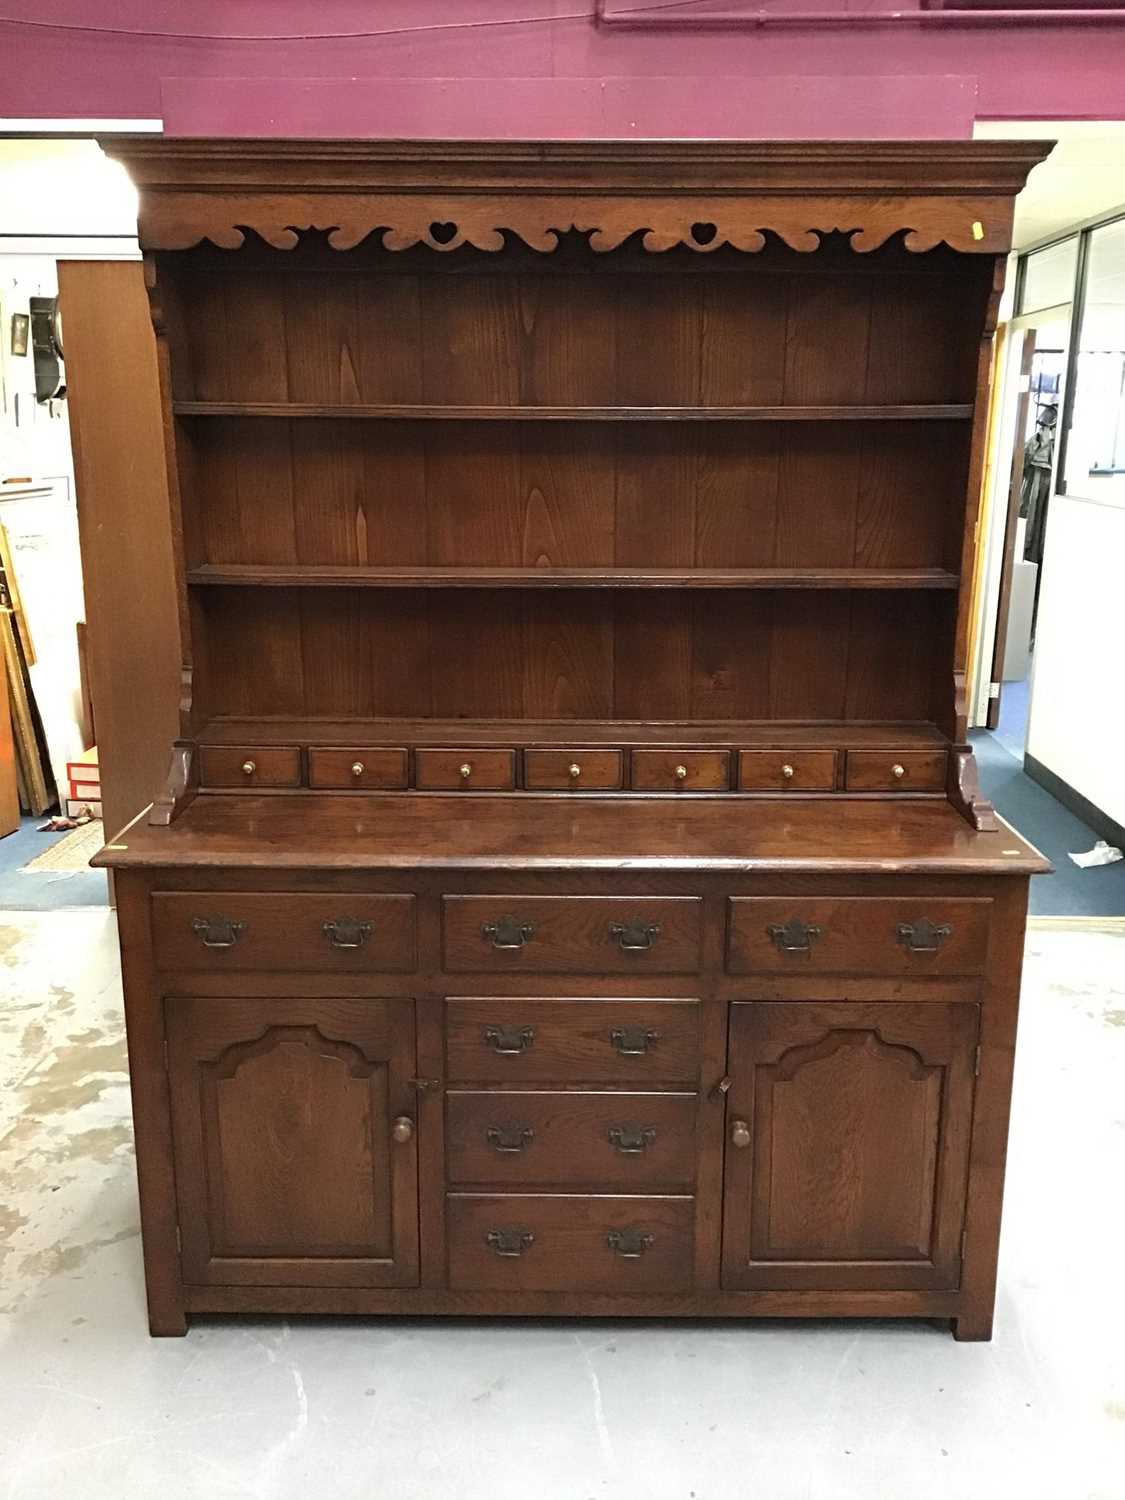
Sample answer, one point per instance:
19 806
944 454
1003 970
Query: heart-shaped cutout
443 234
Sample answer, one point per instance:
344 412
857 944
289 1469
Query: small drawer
363 768
895 771
234 930
250 765
465 770
605 1142
572 770
624 1042
787 770
532 1242
572 934
858 935
681 770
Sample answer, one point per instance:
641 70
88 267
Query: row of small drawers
373 768
571 934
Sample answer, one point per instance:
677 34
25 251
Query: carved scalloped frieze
177 221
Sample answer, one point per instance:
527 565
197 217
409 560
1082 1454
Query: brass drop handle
508 935
509 1243
630 1244
346 932
680 773
923 936
509 1140
574 771
358 768
509 1041
898 771
634 937
633 1041
631 1139
466 770
403 1129
249 767
739 1134
217 932
794 936
787 772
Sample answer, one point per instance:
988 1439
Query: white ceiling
1083 177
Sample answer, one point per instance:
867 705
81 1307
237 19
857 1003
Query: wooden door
1015 486
289 1167
847 1144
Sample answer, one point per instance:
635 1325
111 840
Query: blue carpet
51 890
1012 728
1069 892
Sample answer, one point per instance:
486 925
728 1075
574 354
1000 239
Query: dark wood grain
580 935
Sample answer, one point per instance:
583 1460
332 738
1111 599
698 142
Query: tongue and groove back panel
366 448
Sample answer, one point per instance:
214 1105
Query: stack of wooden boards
25 768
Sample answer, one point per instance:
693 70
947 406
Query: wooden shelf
544 733
288 409
297 575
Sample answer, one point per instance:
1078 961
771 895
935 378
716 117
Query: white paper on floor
1101 854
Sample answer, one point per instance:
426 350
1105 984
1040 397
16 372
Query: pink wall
548 67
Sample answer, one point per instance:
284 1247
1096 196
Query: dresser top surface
673 833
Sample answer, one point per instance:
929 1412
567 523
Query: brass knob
739 1134
358 768
575 771
787 772
403 1129
249 767
681 773
898 772
466 771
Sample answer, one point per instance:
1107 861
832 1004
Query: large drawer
602 1141
858 934
219 930
623 1042
568 1243
572 934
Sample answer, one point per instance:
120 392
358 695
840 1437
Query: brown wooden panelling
572 934
343 933
856 934
604 1142
630 1043
567 1242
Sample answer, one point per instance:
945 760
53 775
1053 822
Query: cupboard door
847 1144
295 1149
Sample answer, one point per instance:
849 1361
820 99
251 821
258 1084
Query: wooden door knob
249 767
358 768
898 772
739 1134
403 1129
466 771
681 773
575 771
787 772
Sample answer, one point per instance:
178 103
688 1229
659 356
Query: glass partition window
1048 276
1095 443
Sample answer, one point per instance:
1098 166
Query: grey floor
268 1409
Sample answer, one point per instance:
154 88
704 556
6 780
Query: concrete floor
91 1408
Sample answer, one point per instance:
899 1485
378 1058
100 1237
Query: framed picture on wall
21 324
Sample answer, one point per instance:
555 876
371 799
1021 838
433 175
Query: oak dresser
572 893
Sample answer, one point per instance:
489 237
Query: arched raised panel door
847 1145
289 1170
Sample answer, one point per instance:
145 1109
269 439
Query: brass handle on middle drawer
509 1041
346 932
923 936
634 937
630 1139
509 1243
509 1140
633 1041
794 936
630 1244
507 935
